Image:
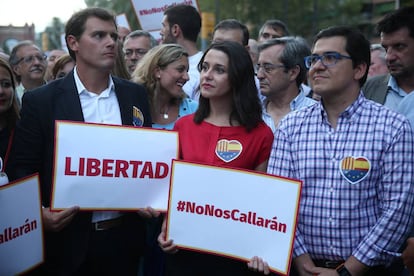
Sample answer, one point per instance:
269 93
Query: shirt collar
294 104
350 112
81 88
394 88
297 101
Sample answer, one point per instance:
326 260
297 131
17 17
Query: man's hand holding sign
55 221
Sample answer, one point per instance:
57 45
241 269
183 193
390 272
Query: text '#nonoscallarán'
11 233
234 214
115 168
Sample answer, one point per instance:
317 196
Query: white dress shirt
101 109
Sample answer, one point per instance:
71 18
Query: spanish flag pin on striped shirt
355 169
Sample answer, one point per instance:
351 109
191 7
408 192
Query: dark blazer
376 88
33 147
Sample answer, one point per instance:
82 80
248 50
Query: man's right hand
408 255
56 221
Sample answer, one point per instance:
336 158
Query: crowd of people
335 113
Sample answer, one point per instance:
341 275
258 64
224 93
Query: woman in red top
226 130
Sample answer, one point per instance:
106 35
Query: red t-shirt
223 146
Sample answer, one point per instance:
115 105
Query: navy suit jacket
33 151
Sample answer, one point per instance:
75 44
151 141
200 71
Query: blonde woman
164 71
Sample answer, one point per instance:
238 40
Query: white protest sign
108 167
3 176
21 238
122 21
233 213
150 13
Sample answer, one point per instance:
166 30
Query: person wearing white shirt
81 242
181 24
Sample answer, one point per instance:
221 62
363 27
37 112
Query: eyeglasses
327 59
30 59
268 67
138 52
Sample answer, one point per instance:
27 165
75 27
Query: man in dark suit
395 89
397 37
82 243
376 88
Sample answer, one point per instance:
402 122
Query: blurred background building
11 35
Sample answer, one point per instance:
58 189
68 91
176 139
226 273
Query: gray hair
378 47
294 53
139 33
13 59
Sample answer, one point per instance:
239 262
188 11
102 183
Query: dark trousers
396 269
110 254
114 251
153 263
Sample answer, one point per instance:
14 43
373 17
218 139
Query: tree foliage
53 35
303 17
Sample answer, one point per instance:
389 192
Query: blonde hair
13 113
60 64
158 57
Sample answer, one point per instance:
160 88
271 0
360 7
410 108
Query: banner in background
150 13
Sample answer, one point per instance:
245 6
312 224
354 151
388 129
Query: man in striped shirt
355 158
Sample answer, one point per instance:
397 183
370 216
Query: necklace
165 113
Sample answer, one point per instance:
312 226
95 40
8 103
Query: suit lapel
384 86
68 106
124 101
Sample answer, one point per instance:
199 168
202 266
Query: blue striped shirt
340 216
300 101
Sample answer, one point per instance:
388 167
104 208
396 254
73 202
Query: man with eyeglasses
29 66
135 46
281 71
356 160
